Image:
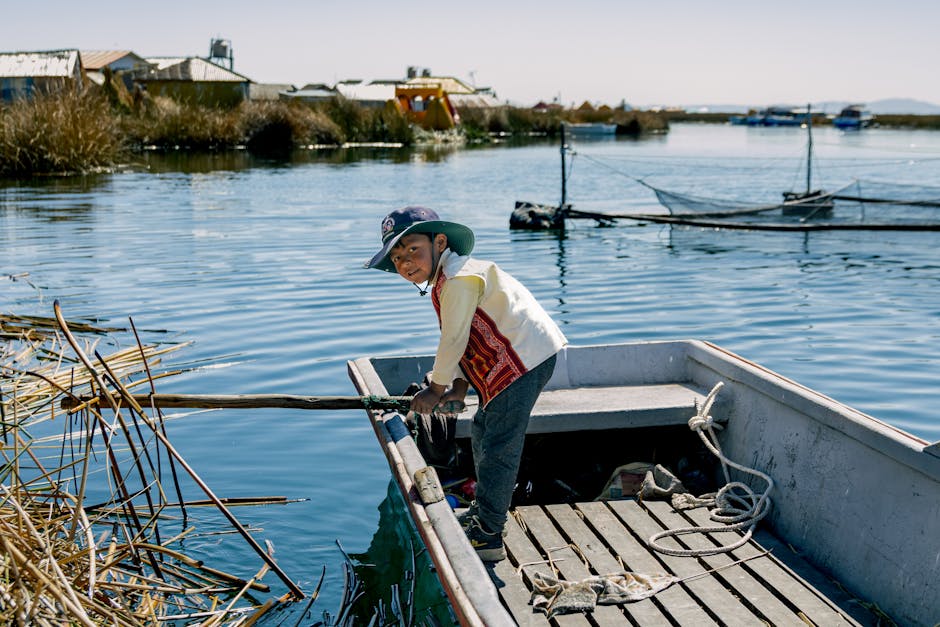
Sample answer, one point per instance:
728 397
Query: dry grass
165 123
69 132
480 124
66 560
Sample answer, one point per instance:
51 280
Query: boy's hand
427 399
457 392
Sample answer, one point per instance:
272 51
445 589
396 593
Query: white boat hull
858 498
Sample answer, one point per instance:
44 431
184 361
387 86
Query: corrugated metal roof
164 62
473 100
63 63
98 59
374 92
190 69
450 84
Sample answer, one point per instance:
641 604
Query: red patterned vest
489 362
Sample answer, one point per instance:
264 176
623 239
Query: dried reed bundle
65 560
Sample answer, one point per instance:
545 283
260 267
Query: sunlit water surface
258 264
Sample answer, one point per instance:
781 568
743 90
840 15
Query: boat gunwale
466 591
888 440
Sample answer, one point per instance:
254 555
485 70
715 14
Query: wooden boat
855 501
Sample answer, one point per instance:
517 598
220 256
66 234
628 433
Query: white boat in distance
855 500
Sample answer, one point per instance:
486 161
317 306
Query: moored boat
776 116
591 128
854 116
857 500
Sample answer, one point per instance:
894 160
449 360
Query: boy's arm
460 298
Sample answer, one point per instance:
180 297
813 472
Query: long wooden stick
253 401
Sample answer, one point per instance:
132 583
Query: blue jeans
497 435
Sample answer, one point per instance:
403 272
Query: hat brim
460 239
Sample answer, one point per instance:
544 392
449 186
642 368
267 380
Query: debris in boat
660 483
557 596
553 595
625 481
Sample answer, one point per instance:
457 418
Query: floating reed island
94 526
81 131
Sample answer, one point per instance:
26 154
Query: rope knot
699 422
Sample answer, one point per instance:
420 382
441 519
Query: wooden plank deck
591 538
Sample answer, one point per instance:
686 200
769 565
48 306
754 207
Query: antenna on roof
220 53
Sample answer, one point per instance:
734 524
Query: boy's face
415 256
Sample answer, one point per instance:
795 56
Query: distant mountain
903 105
894 106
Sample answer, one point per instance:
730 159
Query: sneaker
489 546
467 516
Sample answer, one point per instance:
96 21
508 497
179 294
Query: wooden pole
253 401
564 181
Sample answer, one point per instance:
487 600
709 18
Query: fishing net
687 204
908 194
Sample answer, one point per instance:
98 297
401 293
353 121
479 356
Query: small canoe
854 500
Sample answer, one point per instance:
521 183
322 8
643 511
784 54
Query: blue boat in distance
772 116
853 117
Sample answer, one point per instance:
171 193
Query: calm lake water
258 264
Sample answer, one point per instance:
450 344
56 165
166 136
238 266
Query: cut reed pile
92 517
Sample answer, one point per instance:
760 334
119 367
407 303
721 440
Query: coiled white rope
736 505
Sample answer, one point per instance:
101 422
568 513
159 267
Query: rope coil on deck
735 505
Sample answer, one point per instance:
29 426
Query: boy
494 335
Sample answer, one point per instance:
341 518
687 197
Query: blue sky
670 52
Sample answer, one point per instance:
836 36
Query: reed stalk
65 561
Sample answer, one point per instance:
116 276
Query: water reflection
53 199
238 160
396 573
559 237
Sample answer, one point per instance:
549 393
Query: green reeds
118 560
